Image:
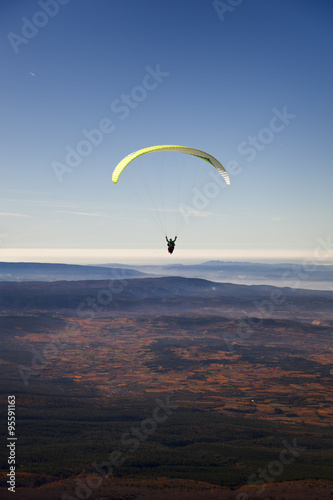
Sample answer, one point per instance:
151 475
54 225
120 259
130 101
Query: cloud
8 214
148 256
193 212
82 213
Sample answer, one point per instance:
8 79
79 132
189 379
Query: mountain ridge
36 271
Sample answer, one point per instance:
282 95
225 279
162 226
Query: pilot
171 244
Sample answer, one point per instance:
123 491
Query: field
188 390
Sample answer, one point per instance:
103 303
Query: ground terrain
246 371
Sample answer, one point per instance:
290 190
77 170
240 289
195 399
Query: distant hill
30 271
161 294
316 276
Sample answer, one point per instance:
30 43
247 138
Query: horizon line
141 256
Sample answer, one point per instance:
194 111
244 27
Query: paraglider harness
171 244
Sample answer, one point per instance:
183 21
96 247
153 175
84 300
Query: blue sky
249 83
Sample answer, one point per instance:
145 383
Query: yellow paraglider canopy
181 149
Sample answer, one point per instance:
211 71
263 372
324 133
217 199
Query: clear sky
84 83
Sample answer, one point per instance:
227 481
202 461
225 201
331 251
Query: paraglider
171 244
180 149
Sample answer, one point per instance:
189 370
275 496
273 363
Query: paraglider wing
181 149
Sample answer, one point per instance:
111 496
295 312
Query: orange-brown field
274 374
